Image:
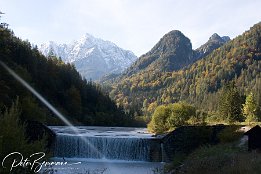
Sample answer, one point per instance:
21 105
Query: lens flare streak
47 104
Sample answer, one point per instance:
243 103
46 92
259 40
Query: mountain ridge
165 55
153 57
173 52
93 57
215 41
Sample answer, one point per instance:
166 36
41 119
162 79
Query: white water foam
117 143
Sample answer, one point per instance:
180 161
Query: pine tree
230 104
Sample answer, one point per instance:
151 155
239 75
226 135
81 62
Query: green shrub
158 122
180 113
198 119
168 117
214 118
13 138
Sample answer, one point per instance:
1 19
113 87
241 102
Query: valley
174 109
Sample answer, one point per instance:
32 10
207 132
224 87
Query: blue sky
132 24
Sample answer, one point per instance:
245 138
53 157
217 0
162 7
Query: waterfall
132 149
117 143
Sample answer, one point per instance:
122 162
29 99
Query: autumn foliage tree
168 117
250 109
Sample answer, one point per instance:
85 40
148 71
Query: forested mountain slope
172 52
60 83
199 83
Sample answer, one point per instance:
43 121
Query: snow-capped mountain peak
93 57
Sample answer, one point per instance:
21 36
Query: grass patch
230 134
220 159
